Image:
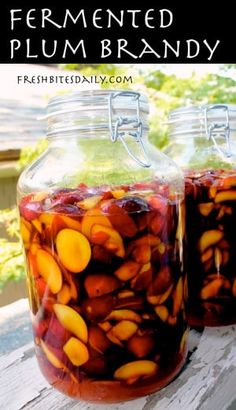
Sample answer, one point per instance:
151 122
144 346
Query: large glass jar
203 143
102 224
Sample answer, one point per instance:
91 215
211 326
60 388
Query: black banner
150 32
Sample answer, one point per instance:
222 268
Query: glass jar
203 143
102 225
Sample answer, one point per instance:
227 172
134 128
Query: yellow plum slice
71 321
93 216
114 243
73 249
49 270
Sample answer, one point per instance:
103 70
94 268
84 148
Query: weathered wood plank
20 379
213 360
207 382
15 326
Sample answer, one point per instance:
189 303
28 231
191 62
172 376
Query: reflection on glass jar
104 250
209 161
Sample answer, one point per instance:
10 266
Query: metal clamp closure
116 133
214 129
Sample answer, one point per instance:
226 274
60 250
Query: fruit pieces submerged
211 245
106 288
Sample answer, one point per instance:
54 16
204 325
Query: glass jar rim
96 100
200 119
97 110
196 112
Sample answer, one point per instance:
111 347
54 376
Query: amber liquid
211 245
107 289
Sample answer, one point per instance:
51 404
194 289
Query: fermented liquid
107 288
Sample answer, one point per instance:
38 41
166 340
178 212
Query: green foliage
9 221
29 154
96 69
11 255
167 92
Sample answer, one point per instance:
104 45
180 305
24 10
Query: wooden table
207 382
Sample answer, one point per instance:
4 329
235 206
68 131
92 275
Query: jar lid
203 120
96 109
120 113
96 99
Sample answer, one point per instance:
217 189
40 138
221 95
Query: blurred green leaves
29 154
11 257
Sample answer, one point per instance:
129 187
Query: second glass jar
203 143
